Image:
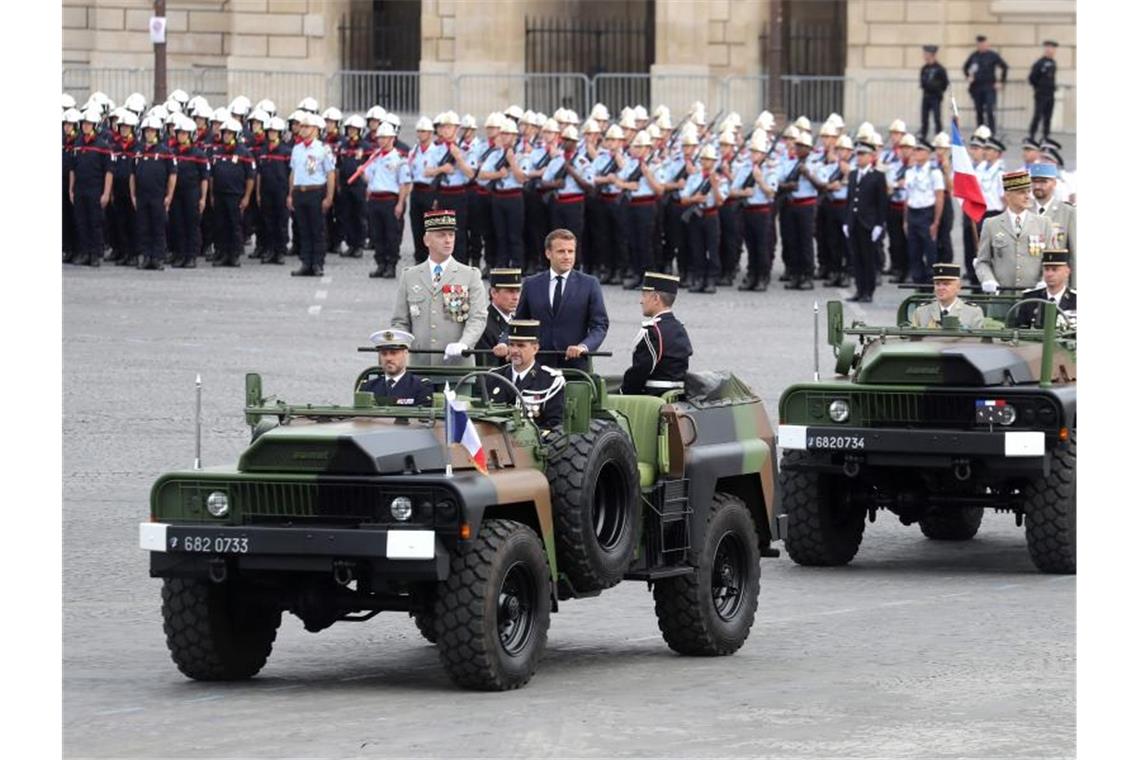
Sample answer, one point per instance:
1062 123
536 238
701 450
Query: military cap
1030 143
506 278
1016 180
1050 143
996 144
923 144
392 338
1042 171
977 142
983 132
1055 256
947 272
660 283
930 48
1052 154
864 147
524 329
1050 43
980 38
440 219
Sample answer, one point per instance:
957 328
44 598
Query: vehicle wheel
824 528
951 524
214 631
710 612
1051 514
425 618
493 611
594 487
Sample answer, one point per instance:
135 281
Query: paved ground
915 650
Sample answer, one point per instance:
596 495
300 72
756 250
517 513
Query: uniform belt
456 190
664 384
644 200
898 205
610 197
480 190
382 196
308 188
421 187
921 208
802 201
764 208
710 211
508 193
571 198
839 203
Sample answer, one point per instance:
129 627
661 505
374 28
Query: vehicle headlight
401 508
839 411
218 504
1006 415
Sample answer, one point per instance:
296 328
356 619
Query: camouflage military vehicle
337 513
935 425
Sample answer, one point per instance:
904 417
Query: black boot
749 283
762 283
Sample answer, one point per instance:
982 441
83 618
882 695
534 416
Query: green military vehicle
337 513
935 425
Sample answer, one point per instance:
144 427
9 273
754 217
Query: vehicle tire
824 528
425 618
493 611
951 523
594 487
215 632
710 612
1051 514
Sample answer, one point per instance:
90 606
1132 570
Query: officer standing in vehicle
189 196
90 187
933 81
397 385
1043 80
273 189
662 350
1011 244
152 192
981 74
506 285
232 175
312 178
387 180
540 386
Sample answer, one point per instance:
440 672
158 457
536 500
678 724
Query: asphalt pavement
917 649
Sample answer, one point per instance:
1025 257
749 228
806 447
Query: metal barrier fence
410 93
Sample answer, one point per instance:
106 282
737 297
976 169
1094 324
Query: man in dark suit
539 386
397 385
567 303
504 290
1055 271
661 355
866 219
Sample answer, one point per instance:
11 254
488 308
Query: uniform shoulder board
1069 203
553 371
1028 290
424 380
971 303
650 322
1073 291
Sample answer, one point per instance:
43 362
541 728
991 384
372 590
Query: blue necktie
438 275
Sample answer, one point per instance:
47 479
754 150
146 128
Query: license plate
204 544
839 442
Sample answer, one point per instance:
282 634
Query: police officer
925 195
1043 80
232 175
312 179
540 386
1009 251
637 179
152 182
352 151
397 385
947 283
189 195
802 190
933 81
662 349
505 178
273 189
980 70
426 153
755 184
387 181
506 285
89 187
1055 272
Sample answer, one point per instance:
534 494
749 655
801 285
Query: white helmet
117 114
203 112
614 133
275 123
135 102
180 96
308 104
844 141
297 116
185 124
514 112
160 111
448 117
550 126
99 98
468 122
591 127
424 125
599 112
258 115
154 121
173 106
641 140
898 125
803 124
240 105
727 136
385 130
528 116
509 127
661 110
231 125
494 120
356 120
708 152
267 105
67 101
72 115
332 114
173 118
654 132
828 130
640 114
130 118
197 101
375 112
765 121
663 121
759 142
390 117
220 115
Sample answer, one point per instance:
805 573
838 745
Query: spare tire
595 493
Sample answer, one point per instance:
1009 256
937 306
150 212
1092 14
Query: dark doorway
810 56
380 36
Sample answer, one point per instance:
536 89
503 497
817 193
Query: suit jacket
1013 261
539 378
1032 314
581 316
496 332
410 390
662 353
867 200
1062 215
929 315
422 309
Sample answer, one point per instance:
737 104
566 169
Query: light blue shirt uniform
386 173
421 159
600 164
570 185
757 198
508 182
804 188
921 183
694 182
311 165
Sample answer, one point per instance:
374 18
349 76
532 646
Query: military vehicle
336 513
935 425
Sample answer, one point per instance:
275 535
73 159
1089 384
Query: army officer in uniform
403 387
440 301
947 283
1055 271
661 354
506 284
540 386
1011 243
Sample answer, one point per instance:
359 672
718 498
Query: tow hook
851 466
962 469
342 573
219 570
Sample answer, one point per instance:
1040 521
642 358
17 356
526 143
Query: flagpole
965 217
447 427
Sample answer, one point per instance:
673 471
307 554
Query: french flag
461 430
966 185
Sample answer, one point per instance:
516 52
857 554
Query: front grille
888 409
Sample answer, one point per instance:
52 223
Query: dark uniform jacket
231 167
153 165
496 331
273 165
123 154
933 79
1032 314
193 167
538 378
410 390
349 156
581 317
661 356
91 162
984 67
1043 76
867 200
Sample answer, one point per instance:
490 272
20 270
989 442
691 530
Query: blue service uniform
506 211
90 166
231 169
420 201
350 202
310 165
610 254
640 211
185 219
568 203
407 390
730 234
923 181
676 244
834 251
756 223
153 167
894 171
121 214
480 230
536 214
69 236
452 194
273 179
704 232
797 226
382 180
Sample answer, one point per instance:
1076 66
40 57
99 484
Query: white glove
989 286
876 233
846 233
453 350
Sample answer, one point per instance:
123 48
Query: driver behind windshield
1055 271
397 385
540 386
947 282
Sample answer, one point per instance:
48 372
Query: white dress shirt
554 283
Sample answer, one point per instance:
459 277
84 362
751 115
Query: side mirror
844 358
253 396
834 323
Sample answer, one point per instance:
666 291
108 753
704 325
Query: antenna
198 421
815 308
447 427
